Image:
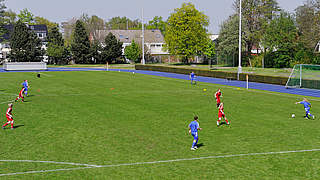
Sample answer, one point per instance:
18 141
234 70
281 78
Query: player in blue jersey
307 107
192 77
25 86
193 130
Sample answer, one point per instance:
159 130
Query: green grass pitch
112 118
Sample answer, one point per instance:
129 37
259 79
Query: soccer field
116 125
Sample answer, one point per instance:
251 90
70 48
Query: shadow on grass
17 126
200 145
223 124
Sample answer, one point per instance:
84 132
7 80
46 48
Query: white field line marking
51 162
155 162
6 102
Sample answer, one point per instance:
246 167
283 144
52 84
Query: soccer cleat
313 117
3 128
195 147
192 149
12 128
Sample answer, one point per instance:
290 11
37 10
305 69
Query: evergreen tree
95 52
133 52
56 47
80 46
25 45
112 48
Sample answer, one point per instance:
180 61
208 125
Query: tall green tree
280 40
26 16
56 49
133 52
80 46
112 48
25 45
95 52
186 32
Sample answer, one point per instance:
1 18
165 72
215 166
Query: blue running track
241 84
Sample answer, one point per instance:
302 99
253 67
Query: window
121 36
39 35
158 45
158 36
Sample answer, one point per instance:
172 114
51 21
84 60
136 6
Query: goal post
304 76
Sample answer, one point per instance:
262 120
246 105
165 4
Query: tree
42 20
80 46
186 32
26 16
123 23
93 25
25 45
112 48
157 23
10 17
95 52
133 52
308 23
56 49
280 40
255 13
2 18
210 50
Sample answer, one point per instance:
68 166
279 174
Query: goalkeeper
307 107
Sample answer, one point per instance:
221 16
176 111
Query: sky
64 10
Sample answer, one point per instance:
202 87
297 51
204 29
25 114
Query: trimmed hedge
216 74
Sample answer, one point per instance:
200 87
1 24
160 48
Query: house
40 30
153 39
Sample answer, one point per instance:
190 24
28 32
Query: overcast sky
64 10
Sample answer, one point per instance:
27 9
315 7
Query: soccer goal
304 76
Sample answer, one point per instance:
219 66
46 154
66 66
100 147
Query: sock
218 122
5 125
11 125
227 122
310 114
194 143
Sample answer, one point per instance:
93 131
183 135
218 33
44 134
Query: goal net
304 76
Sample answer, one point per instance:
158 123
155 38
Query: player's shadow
223 123
17 126
30 95
200 145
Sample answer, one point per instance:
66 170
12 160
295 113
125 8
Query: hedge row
216 74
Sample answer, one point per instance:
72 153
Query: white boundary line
50 162
141 163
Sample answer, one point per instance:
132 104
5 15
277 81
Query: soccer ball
293 116
204 90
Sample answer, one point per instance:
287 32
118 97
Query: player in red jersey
9 117
221 114
217 95
20 95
